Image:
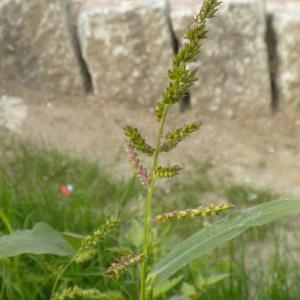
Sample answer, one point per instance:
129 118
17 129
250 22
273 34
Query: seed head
163 172
136 164
180 78
118 267
179 134
137 140
201 211
76 293
88 248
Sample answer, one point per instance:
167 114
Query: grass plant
101 260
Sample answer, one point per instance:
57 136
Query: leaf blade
225 229
41 239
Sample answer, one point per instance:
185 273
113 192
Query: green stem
61 273
148 207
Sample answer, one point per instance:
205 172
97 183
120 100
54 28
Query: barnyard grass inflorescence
180 76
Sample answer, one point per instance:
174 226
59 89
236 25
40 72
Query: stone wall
120 51
36 46
284 25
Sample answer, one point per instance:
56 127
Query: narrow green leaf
213 279
5 222
188 290
41 239
212 236
166 286
74 239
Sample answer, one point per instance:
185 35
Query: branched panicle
182 79
89 244
201 211
164 172
179 134
77 293
137 166
134 136
121 265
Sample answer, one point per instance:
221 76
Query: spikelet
77 292
179 134
89 244
137 140
85 255
181 80
201 211
164 172
137 166
118 267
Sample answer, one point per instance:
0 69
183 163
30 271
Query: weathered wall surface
284 22
120 51
36 47
128 48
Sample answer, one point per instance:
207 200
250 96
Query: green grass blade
41 239
219 233
6 222
166 286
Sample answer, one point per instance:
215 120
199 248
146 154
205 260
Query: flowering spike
140 171
77 292
118 267
182 79
88 247
137 140
179 134
201 211
162 172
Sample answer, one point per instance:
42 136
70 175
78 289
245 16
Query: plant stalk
59 275
148 207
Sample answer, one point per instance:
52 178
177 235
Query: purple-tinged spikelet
137 165
118 267
201 211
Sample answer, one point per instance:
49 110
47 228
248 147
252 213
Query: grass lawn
261 264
